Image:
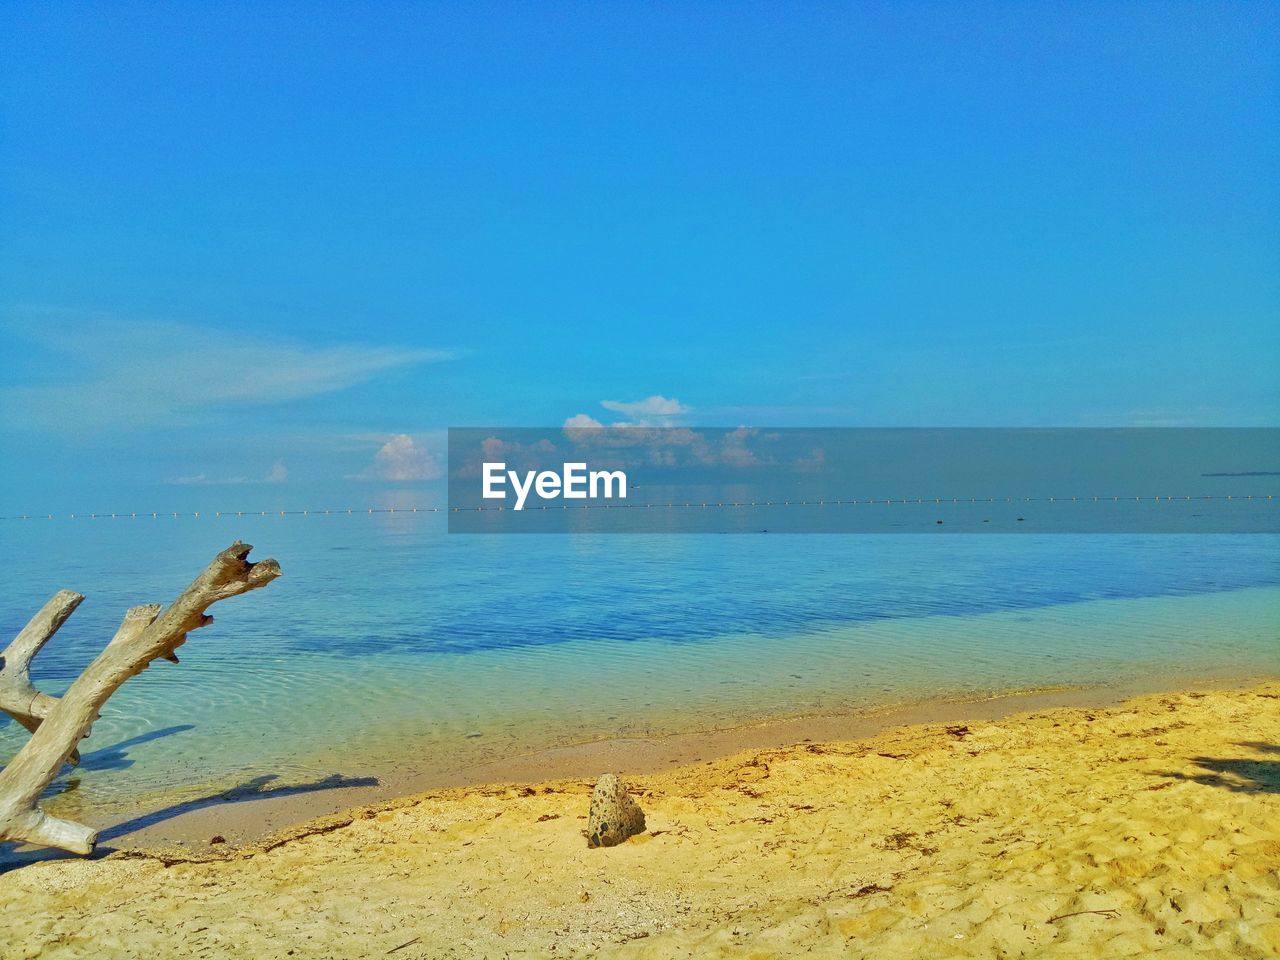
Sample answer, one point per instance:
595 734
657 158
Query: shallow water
390 645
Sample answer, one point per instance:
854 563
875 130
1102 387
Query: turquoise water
390 646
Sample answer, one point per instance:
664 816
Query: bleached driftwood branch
57 725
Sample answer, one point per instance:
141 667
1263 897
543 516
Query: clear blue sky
264 253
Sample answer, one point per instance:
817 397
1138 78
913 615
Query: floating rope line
668 504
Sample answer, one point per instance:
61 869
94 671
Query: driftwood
58 724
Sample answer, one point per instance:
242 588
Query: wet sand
253 810
1149 827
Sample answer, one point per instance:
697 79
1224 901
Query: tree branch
144 635
18 697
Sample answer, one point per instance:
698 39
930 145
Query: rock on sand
614 816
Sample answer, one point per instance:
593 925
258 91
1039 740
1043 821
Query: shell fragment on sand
614 815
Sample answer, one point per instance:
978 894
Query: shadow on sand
1236 774
259 788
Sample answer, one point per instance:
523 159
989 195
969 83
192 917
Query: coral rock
614 815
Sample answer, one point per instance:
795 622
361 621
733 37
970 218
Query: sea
391 645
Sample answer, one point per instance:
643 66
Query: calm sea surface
388 644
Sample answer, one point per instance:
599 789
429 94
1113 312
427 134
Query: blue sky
265 253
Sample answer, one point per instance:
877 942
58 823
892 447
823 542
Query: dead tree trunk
57 725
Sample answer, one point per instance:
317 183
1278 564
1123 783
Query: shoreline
244 816
1151 827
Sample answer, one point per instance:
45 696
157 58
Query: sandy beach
1152 827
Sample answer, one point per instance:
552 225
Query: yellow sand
1148 829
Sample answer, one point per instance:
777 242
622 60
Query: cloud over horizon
276 473
402 459
654 411
655 406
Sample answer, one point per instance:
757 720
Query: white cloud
131 373
655 406
581 421
655 411
402 459
204 480
277 473
733 448
196 480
